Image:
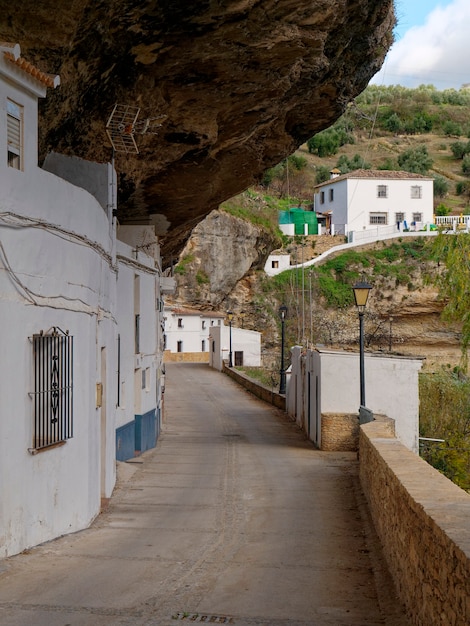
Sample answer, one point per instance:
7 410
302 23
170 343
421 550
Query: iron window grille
416 192
53 388
378 218
382 191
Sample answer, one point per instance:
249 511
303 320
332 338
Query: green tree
345 165
459 149
442 209
441 187
324 143
454 252
415 160
466 164
463 189
322 174
394 124
451 129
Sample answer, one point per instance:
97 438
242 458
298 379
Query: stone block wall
185 357
257 389
423 522
339 432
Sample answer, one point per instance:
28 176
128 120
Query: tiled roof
376 175
11 52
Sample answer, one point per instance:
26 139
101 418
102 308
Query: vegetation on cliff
419 130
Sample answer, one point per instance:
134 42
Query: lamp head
361 294
283 312
230 315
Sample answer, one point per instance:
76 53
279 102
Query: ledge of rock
229 88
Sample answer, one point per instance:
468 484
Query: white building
277 262
187 333
391 384
370 199
70 370
244 344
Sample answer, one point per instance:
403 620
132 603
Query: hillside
378 127
404 312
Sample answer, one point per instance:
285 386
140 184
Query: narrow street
234 518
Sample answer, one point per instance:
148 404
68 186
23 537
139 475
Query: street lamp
230 318
282 315
361 294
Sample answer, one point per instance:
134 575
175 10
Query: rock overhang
236 86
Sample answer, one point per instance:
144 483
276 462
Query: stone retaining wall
185 357
423 522
257 389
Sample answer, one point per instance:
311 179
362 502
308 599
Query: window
275 265
416 192
179 346
53 388
377 218
180 322
399 217
382 191
332 194
14 134
417 217
218 322
144 379
203 324
137 334
322 197
203 346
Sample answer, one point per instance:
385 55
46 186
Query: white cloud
437 53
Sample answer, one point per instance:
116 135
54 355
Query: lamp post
282 315
361 294
230 318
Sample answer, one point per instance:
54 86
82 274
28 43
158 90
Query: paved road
234 518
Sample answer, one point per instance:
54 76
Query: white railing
454 222
372 234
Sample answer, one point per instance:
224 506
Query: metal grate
53 388
201 618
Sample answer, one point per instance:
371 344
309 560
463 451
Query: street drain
202 618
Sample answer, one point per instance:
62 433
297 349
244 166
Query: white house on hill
370 199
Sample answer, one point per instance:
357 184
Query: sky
432 45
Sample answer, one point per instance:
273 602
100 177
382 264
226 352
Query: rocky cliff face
236 86
217 260
217 271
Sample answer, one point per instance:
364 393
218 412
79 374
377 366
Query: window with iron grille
382 191
377 218
417 217
416 192
53 388
14 134
399 217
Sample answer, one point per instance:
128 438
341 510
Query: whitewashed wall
391 386
53 275
246 341
136 293
355 198
196 328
